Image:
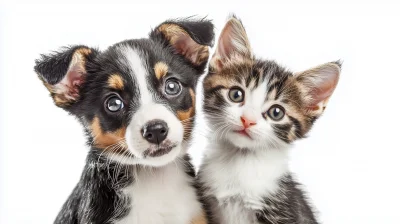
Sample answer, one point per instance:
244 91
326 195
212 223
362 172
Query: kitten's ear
233 44
64 72
318 84
190 38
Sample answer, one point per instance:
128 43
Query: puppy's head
136 100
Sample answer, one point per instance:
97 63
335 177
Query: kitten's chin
241 140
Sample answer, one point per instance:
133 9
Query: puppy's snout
155 131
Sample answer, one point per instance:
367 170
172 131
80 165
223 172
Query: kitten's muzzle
155 131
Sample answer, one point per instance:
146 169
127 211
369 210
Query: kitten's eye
114 104
276 112
236 95
173 87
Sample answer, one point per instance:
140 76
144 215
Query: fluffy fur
255 109
136 102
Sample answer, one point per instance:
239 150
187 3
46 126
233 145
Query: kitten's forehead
264 79
255 96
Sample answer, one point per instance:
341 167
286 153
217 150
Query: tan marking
58 99
161 69
79 60
61 101
106 139
185 115
201 219
84 51
184 44
115 82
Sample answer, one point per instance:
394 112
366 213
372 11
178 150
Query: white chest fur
240 179
162 196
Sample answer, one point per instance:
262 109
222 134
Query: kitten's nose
155 131
247 122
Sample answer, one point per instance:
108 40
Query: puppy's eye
276 112
236 95
114 104
172 87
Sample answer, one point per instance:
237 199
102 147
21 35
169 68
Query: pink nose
247 122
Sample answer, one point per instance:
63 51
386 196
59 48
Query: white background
349 164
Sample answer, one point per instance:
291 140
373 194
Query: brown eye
236 95
276 112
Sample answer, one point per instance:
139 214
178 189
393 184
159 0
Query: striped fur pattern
245 173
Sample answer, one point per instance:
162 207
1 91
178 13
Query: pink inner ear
225 46
323 91
321 82
68 87
186 46
75 79
233 45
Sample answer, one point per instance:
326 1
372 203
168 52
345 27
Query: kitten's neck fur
237 181
244 172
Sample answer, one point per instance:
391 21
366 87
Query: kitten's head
255 103
136 99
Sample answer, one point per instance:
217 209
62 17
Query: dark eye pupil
277 111
114 104
237 94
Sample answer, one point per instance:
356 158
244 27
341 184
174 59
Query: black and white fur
128 179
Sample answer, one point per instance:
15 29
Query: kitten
256 109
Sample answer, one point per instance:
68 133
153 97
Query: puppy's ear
318 84
233 45
64 72
190 38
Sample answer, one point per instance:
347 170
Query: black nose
155 131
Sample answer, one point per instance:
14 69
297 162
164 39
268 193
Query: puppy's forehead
138 71
135 59
126 68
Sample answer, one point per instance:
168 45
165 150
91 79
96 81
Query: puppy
136 102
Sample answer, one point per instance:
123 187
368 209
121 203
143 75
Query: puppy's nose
155 131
